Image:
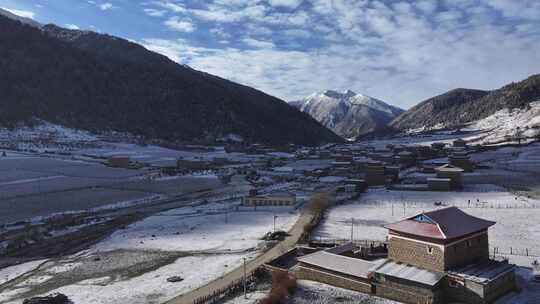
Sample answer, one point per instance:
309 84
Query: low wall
303 273
395 292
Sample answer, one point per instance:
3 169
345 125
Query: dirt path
294 236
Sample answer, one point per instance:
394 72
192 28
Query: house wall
440 258
503 285
470 292
416 253
456 178
317 275
469 250
406 292
439 185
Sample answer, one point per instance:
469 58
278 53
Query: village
405 220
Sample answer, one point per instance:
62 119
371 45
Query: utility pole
275 217
245 286
352 230
403 202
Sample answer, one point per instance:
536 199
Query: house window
430 250
469 244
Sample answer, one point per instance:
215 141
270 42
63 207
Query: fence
526 252
398 205
359 243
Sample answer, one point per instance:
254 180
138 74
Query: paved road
294 236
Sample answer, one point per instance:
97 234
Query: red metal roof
447 223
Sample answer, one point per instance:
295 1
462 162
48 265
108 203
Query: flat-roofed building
480 283
272 199
334 267
407 283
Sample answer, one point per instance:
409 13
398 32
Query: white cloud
285 3
171 6
259 44
180 25
20 13
400 52
155 12
72 26
106 6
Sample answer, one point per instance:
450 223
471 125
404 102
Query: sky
399 51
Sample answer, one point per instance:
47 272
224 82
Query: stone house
453 245
455 175
436 257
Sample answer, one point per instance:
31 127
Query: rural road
288 243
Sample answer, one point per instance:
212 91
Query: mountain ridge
461 106
98 82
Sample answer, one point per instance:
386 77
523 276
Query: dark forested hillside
99 83
461 106
437 109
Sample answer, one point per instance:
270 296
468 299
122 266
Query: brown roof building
445 241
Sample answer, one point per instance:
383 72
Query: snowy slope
12 14
347 113
507 125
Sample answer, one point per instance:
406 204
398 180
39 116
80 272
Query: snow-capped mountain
346 113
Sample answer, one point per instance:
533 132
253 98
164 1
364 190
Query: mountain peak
347 113
337 95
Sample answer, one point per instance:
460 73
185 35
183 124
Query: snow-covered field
150 287
517 217
12 272
209 242
191 230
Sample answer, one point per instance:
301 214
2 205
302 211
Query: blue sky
398 51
